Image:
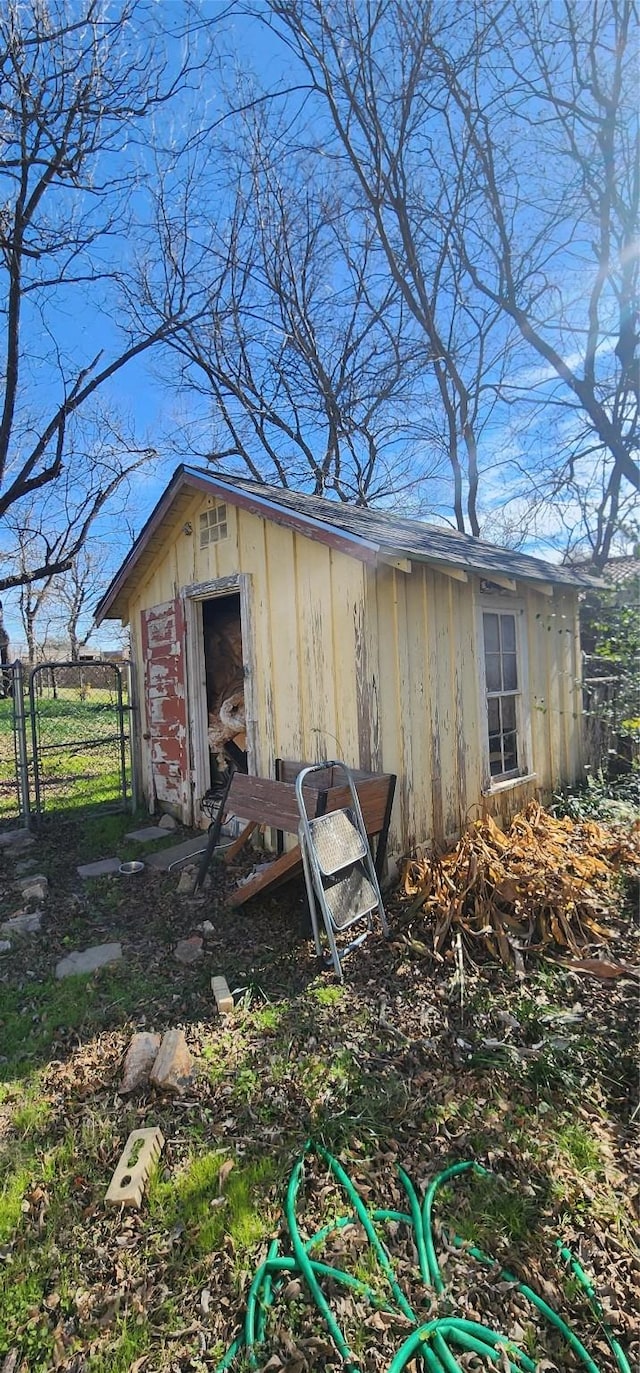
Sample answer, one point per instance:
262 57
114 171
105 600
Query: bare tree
76 592
80 86
300 347
58 519
32 596
383 116
496 149
548 117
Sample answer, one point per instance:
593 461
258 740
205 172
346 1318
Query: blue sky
143 393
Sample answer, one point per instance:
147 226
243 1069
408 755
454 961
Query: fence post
20 737
134 735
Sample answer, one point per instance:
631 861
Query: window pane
491 634
222 529
493 705
221 512
508 627
510 753
509 672
495 758
508 713
494 677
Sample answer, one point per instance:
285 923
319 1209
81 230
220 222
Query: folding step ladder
338 868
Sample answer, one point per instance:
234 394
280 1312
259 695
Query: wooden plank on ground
283 868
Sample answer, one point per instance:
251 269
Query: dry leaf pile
545 882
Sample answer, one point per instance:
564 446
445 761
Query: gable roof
371 535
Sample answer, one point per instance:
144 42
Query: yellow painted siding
380 667
289 718
428 715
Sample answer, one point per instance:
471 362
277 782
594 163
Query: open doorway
225 683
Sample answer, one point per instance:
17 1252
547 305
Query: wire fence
65 740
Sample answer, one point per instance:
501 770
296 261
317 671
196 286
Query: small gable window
213 525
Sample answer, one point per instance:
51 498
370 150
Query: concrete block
175 854
147 835
140 1152
173 1068
16 840
105 867
36 891
88 960
167 822
139 1060
186 882
224 999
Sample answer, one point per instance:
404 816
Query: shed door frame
197 713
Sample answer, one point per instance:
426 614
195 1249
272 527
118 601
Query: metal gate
14 788
65 740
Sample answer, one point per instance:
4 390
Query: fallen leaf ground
406 1064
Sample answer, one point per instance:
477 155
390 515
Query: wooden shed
316 630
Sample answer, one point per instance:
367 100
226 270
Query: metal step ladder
338 869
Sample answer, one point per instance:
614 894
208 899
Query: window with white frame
503 673
213 525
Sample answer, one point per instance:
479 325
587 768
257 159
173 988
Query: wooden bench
261 801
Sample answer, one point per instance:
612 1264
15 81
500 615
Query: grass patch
131 1341
267 1020
488 1211
209 1217
21 1308
327 995
579 1147
31 1019
12 1191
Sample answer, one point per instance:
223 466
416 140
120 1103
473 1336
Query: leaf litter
545 883
391 1070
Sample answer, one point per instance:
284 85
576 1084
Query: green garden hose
434 1341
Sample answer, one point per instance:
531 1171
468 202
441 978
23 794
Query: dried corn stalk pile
543 882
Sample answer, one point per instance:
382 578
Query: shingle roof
360 531
616 571
411 538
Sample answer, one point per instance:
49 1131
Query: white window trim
506 605
212 527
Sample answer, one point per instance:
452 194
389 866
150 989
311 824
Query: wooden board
267 802
274 803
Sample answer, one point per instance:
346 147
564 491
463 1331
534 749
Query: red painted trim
165 700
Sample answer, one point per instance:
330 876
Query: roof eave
536 575
353 544
160 510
